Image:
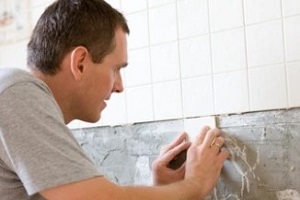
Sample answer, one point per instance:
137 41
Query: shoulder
21 92
13 76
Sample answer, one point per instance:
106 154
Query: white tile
292 38
293 79
258 11
133 5
225 14
291 7
164 62
265 44
198 97
163 24
115 112
153 3
139 34
194 126
114 3
138 71
167 100
231 92
196 21
228 50
139 104
195 56
267 88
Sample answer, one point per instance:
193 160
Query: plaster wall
264 147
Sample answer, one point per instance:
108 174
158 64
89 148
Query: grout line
269 65
211 59
160 5
134 12
246 56
150 64
284 56
179 61
291 16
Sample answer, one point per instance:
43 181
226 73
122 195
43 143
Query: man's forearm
100 189
182 190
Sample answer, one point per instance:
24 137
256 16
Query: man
75 54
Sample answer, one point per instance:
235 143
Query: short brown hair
66 24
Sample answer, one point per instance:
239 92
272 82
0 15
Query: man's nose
118 85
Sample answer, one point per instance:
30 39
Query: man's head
78 48
67 24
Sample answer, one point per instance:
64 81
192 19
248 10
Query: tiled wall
192 58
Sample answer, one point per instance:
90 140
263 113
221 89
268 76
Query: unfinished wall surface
264 147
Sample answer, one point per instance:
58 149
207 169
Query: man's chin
96 119
93 119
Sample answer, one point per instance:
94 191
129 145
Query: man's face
103 79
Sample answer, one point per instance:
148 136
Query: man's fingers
207 136
223 155
217 143
180 139
170 155
211 137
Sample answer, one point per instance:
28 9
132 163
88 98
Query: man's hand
162 174
205 159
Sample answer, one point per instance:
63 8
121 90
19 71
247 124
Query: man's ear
79 56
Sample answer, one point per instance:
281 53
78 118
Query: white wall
192 58
13 43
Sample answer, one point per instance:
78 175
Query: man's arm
102 189
203 167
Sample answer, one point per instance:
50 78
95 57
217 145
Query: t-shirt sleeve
35 142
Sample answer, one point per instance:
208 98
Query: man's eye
117 69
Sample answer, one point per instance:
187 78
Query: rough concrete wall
264 147
125 153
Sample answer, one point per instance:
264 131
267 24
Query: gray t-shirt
37 150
